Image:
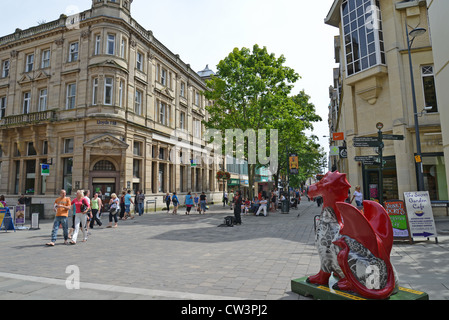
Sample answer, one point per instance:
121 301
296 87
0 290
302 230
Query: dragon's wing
381 223
357 227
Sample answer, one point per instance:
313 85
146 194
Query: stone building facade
105 104
373 84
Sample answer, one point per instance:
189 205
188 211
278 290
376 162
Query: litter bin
285 206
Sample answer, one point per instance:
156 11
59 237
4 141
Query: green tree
251 90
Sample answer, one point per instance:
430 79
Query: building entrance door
106 190
390 181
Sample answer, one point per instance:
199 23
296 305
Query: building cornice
333 17
134 28
409 4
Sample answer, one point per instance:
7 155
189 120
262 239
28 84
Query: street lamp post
415 33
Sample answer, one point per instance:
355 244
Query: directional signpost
375 142
368 160
393 137
366 142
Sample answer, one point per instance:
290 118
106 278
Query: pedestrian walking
196 199
175 201
62 207
231 196
140 200
238 208
89 212
319 201
122 205
225 199
81 209
95 205
188 203
128 201
203 202
167 201
358 196
273 201
114 207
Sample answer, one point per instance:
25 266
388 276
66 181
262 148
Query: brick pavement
160 256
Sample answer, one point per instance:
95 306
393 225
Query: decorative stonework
106 145
368 84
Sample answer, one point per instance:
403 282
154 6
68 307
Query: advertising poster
19 215
2 215
398 216
420 214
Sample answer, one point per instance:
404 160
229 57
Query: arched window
104 165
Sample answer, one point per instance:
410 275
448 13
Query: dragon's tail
359 288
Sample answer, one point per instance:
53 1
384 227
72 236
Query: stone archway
106 156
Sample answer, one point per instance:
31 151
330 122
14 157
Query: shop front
371 186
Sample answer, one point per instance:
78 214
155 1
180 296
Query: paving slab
159 256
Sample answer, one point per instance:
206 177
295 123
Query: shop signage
294 164
233 182
334 151
45 170
420 214
338 136
106 123
398 216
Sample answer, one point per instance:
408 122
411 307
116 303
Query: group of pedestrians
87 211
80 206
198 203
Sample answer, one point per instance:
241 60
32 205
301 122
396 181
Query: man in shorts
128 202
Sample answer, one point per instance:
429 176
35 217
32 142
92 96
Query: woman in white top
113 209
358 196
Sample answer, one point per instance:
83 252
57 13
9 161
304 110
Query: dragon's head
333 186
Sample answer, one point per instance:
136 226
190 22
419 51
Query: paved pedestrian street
177 257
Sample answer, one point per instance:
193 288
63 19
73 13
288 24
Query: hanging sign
334 151
420 214
338 136
294 164
45 170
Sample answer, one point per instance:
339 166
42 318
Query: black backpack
229 221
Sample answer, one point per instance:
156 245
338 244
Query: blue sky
205 31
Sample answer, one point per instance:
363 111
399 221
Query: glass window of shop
435 176
371 181
67 175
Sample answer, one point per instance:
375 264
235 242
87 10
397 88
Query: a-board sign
398 216
19 214
6 221
420 214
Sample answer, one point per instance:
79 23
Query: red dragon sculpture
352 245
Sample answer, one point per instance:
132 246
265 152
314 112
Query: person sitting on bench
263 206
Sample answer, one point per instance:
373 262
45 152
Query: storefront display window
390 181
435 177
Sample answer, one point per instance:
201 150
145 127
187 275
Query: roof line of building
84 17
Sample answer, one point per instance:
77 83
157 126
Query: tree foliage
252 90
